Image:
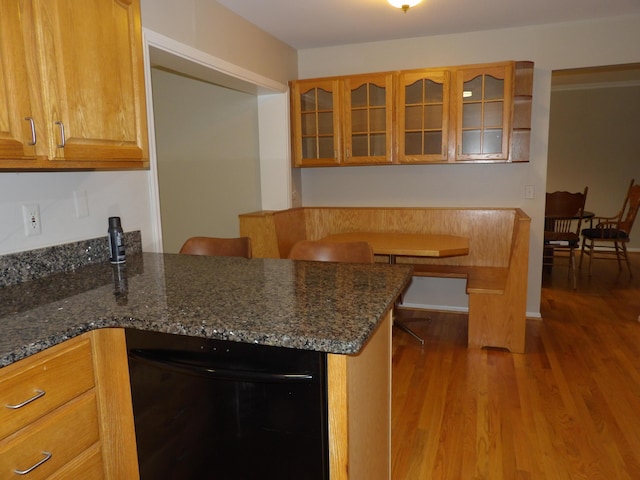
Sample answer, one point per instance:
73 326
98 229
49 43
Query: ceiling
306 24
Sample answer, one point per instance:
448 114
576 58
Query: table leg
399 324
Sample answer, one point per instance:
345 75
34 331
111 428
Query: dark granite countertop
306 305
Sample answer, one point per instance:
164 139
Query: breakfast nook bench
495 268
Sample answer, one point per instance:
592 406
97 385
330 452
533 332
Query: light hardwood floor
569 408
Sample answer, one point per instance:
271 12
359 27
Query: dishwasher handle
173 360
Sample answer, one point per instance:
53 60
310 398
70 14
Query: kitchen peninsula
343 310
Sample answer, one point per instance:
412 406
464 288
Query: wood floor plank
568 408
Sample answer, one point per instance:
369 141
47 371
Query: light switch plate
529 192
80 201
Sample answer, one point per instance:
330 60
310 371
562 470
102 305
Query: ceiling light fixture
404 4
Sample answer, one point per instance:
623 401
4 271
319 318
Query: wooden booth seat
496 267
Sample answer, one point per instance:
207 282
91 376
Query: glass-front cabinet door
423 116
368 108
484 96
316 123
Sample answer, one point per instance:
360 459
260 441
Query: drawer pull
47 456
39 393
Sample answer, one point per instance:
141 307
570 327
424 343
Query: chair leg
626 258
572 268
590 255
617 249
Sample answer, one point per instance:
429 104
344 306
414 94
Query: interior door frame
273 119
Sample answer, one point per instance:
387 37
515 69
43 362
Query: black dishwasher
208 408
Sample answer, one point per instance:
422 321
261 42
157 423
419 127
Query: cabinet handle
39 393
61 144
33 130
47 456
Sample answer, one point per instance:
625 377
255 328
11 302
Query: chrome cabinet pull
47 456
61 144
33 130
39 393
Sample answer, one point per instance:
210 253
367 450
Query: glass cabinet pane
473 90
493 88
360 145
325 99
413 93
433 117
472 115
309 124
377 96
378 120
359 96
432 143
413 118
433 91
492 141
325 149
493 114
308 101
471 142
325 123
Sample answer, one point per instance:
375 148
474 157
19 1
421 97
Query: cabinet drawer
61 372
64 434
88 466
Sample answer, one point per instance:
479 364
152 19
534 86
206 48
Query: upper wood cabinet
342 120
79 93
475 113
315 120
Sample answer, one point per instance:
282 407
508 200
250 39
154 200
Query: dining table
393 244
549 226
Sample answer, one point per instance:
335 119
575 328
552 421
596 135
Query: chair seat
605 233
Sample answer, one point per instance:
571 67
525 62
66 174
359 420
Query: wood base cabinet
72 85
67 412
359 390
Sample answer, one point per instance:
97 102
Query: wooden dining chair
345 252
563 218
220 247
610 235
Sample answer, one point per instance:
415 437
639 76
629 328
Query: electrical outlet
31 218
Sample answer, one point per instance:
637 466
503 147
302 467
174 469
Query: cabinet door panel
423 116
94 93
315 122
17 139
484 96
368 119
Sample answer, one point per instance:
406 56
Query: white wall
558 46
123 194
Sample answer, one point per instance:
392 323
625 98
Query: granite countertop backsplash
307 305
